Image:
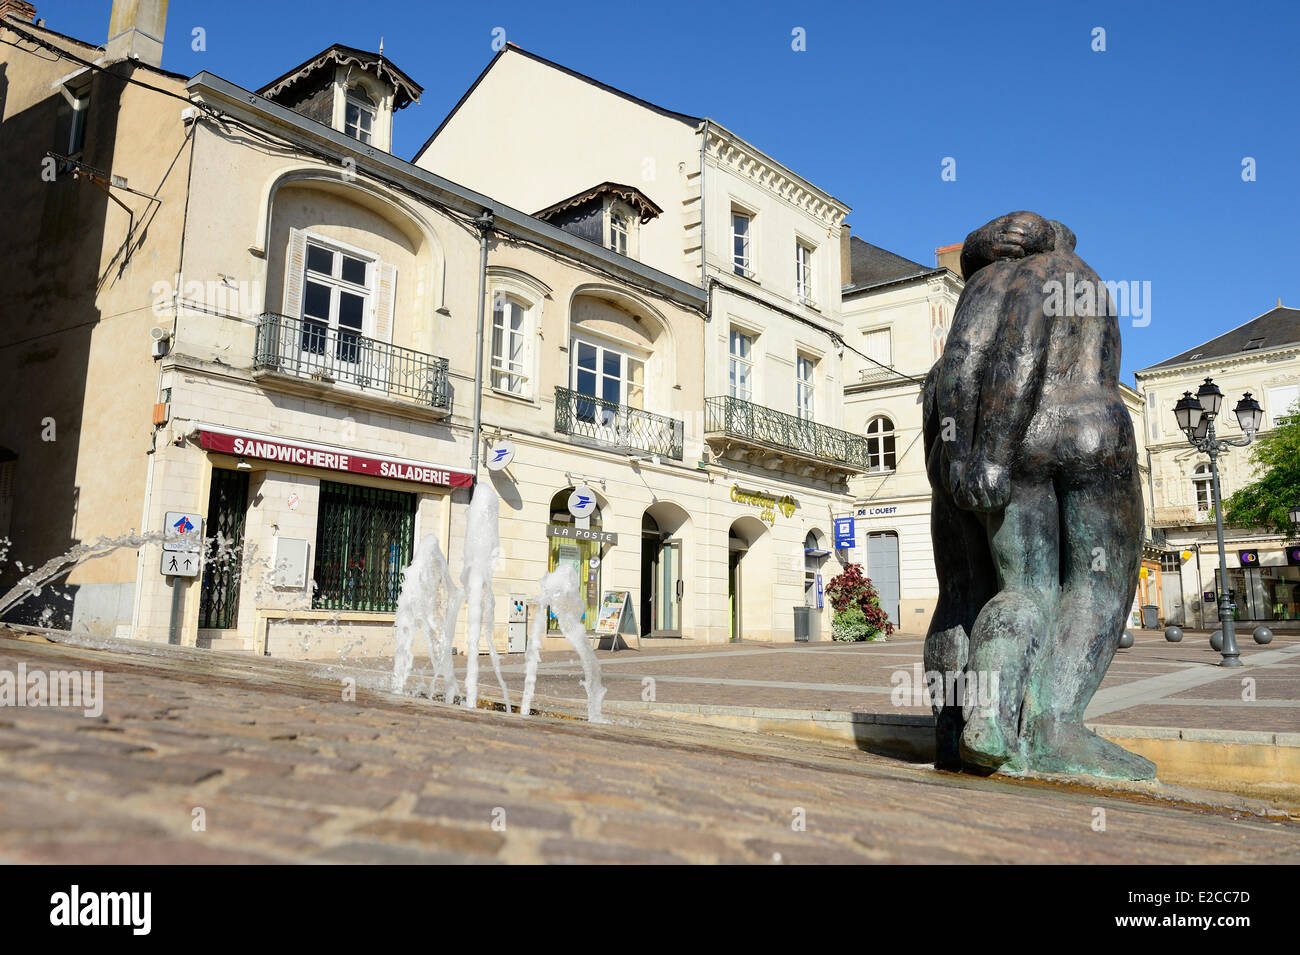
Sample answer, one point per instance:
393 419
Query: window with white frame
805 369
803 273
880 444
742 242
742 365
509 368
619 231
609 379
336 296
359 112
1203 488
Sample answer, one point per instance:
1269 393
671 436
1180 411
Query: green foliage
1267 501
850 625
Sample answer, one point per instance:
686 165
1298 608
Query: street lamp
1294 514
1195 415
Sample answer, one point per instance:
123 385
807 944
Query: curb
1264 766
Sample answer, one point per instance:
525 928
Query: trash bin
805 624
1149 619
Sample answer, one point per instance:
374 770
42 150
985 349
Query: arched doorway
663 586
748 606
584 556
814 557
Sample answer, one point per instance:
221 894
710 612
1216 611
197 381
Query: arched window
880 444
578 554
1203 485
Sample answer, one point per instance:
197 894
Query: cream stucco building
264 326
1262 357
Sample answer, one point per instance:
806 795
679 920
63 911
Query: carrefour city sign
767 504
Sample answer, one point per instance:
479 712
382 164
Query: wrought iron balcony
313 351
602 423
748 423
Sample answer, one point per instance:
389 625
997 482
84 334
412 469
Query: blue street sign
844 538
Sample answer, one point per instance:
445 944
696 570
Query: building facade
265 325
764 244
1261 357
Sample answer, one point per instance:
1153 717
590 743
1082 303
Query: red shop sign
337 459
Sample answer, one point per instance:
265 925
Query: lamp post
1196 415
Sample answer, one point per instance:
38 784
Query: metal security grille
364 539
223 561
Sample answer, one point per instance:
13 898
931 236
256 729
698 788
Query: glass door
613 383
668 589
335 301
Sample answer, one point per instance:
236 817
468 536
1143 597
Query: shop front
307 542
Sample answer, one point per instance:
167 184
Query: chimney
135 31
948 257
19 10
846 255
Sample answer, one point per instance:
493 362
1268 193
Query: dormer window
359 115
351 91
620 224
610 215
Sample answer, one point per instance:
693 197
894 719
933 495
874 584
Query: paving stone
311 789
463 810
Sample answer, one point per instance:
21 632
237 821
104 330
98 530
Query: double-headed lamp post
1196 415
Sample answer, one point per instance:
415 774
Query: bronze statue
1037 508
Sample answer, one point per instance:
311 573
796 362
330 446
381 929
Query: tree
1268 501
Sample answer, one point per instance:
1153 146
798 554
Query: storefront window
364 540
579 555
1265 593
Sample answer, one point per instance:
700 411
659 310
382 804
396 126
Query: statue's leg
1101 524
1011 627
966 582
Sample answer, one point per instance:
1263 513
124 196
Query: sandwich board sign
616 617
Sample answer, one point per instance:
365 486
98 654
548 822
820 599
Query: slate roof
1277 327
407 90
871 265
638 200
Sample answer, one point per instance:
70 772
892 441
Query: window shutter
295 262
386 286
877 345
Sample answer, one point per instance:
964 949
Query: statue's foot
986 742
1074 749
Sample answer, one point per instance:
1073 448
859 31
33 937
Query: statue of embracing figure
1037 507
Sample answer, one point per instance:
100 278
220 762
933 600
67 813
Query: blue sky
1138 149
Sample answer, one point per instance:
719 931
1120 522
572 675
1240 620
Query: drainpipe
484 225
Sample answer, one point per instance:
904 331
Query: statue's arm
961 373
1008 396
1012 236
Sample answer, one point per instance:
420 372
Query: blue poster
844 533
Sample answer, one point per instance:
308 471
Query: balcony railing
746 421
316 352
609 424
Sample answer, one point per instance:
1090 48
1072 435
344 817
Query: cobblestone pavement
1154 683
279 766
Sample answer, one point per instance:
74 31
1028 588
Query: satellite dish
500 455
